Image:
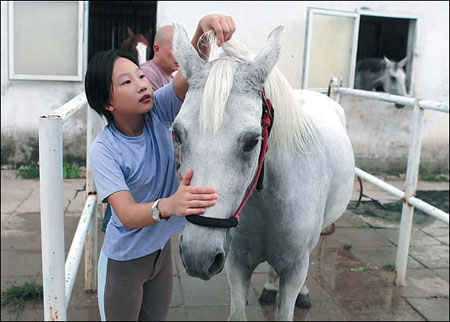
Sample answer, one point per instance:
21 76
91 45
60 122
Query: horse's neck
142 52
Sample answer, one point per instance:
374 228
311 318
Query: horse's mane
291 131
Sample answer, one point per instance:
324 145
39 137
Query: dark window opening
109 22
381 36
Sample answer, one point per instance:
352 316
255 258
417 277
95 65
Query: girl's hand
188 200
223 26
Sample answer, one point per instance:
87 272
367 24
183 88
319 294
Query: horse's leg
292 280
269 293
239 274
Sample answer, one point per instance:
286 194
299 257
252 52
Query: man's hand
188 200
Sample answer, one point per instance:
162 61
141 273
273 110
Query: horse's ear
260 67
130 32
403 62
148 34
188 59
388 62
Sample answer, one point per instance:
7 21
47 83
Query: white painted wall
23 101
255 20
379 133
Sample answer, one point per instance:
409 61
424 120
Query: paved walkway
344 284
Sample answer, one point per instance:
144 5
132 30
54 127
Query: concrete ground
345 284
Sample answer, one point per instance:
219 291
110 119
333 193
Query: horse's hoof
267 297
303 301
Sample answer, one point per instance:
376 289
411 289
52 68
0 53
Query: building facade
320 39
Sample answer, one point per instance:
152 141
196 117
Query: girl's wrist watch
156 213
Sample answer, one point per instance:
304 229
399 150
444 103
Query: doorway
109 22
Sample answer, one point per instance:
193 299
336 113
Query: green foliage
70 171
346 245
29 171
16 295
390 267
429 176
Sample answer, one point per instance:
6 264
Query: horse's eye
250 145
393 79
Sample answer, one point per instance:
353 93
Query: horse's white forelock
291 131
215 95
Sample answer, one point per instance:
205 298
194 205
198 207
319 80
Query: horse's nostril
217 265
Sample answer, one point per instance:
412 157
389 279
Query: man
159 70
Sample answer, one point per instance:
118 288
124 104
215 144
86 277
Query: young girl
134 170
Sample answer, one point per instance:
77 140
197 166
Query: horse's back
328 119
372 65
321 107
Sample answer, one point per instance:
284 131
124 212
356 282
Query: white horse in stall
309 169
382 73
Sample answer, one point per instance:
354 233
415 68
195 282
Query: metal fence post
332 93
90 255
52 217
412 173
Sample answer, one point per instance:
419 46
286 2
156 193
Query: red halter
266 122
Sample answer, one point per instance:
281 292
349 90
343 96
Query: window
330 47
381 36
46 40
336 40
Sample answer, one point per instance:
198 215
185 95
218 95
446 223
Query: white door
330 48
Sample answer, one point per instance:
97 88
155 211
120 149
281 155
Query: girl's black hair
98 82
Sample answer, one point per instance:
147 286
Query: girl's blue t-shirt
145 166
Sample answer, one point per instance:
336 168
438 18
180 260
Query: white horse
373 73
309 169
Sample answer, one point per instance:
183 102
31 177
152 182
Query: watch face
155 214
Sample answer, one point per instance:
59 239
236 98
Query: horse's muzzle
202 264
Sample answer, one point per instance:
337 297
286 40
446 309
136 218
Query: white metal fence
59 274
412 171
